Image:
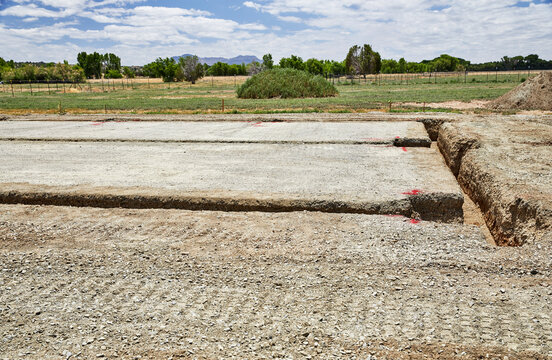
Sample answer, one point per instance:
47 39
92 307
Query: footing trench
506 168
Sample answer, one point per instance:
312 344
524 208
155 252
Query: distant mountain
238 60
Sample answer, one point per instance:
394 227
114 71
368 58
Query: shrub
285 83
113 74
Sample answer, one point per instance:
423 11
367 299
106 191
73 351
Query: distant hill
238 60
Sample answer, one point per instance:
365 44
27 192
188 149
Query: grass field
153 96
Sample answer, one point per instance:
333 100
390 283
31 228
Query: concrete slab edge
401 142
431 207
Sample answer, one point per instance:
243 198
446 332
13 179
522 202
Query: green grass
203 97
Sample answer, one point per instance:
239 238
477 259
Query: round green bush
285 83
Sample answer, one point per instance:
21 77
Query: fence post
11 83
222 105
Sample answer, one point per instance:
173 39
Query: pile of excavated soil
533 94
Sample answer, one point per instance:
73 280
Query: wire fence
109 85
463 77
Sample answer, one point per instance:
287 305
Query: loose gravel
115 283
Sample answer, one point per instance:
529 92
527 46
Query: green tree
111 62
293 62
254 68
362 60
163 68
128 72
190 69
332 67
314 66
113 74
91 64
268 63
402 66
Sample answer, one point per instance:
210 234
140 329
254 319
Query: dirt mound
533 94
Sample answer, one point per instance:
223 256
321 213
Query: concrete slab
413 182
397 133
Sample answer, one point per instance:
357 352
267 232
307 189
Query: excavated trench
505 168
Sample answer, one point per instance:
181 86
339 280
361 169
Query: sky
139 31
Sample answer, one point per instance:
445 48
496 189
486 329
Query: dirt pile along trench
506 168
533 94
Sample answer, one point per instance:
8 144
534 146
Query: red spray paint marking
414 221
404 149
98 123
413 192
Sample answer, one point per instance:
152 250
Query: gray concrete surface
400 133
339 178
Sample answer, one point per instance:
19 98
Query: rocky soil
114 283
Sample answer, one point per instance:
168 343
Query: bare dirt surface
506 167
92 283
533 94
458 105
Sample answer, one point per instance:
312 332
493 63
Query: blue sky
141 30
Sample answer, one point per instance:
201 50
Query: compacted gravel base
93 283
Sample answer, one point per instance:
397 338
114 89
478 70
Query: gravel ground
93 283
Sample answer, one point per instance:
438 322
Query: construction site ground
294 236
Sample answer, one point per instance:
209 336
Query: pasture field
207 95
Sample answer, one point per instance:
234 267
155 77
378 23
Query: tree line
360 60
108 65
60 72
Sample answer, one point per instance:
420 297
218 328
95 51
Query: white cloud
251 4
29 10
415 29
294 19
